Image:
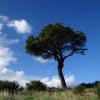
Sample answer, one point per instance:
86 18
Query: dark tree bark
61 76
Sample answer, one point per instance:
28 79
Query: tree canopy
56 41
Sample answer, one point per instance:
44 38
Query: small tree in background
57 42
36 86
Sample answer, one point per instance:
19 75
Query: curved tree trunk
60 67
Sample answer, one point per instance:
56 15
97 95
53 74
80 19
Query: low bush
79 89
9 86
36 86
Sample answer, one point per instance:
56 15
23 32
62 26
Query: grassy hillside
89 94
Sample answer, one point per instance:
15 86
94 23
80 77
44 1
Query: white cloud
55 81
9 74
70 80
6 57
21 26
41 60
5 41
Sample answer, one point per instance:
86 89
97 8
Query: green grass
64 95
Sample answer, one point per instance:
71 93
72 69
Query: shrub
80 89
9 86
36 86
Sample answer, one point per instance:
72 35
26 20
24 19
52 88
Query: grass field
59 95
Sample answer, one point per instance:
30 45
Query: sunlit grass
59 95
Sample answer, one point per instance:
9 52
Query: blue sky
83 15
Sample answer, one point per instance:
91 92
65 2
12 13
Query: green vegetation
36 90
9 86
58 95
98 90
36 86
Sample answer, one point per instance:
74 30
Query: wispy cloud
5 41
6 57
21 26
41 60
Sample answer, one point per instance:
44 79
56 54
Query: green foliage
96 83
98 90
66 95
90 85
36 86
79 89
9 86
83 86
56 41
56 94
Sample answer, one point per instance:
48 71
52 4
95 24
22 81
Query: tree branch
69 55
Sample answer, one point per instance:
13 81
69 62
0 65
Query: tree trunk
60 67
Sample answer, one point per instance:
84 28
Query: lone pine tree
55 41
